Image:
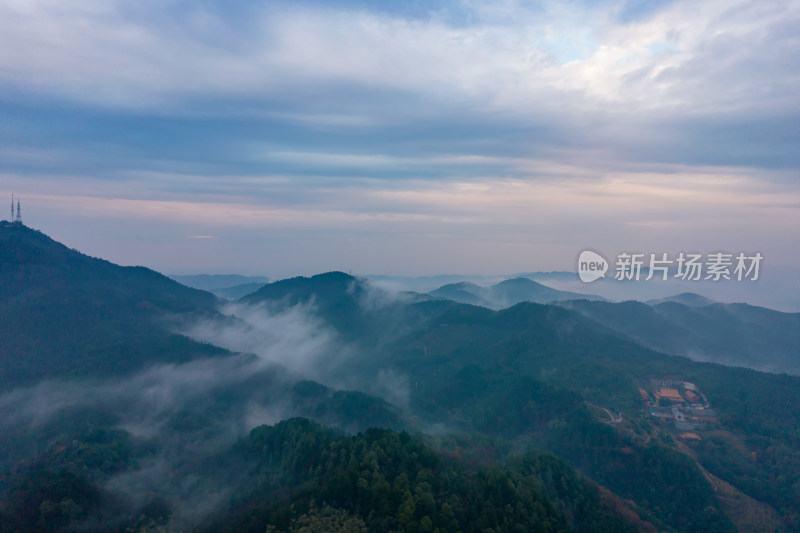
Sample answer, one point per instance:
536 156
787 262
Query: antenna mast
12 208
19 213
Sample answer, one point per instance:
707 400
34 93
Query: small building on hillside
669 394
692 397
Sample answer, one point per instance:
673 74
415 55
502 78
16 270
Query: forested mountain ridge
65 313
384 481
729 334
33 261
686 324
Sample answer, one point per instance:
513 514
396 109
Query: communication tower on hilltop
16 213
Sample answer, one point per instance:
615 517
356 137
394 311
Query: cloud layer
184 415
478 129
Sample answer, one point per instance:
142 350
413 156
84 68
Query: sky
402 138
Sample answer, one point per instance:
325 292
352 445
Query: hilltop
65 313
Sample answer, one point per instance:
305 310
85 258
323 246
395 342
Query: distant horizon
775 290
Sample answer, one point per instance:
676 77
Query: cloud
416 226
344 124
186 415
292 338
506 58
151 407
349 69
277 348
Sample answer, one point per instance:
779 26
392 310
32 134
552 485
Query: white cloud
156 54
495 127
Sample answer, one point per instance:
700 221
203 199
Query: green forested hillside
730 334
524 371
298 474
490 371
67 314
393 482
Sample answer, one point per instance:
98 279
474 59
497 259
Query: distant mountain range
506 293
729 334
686 324
686 298
210 282
228 286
